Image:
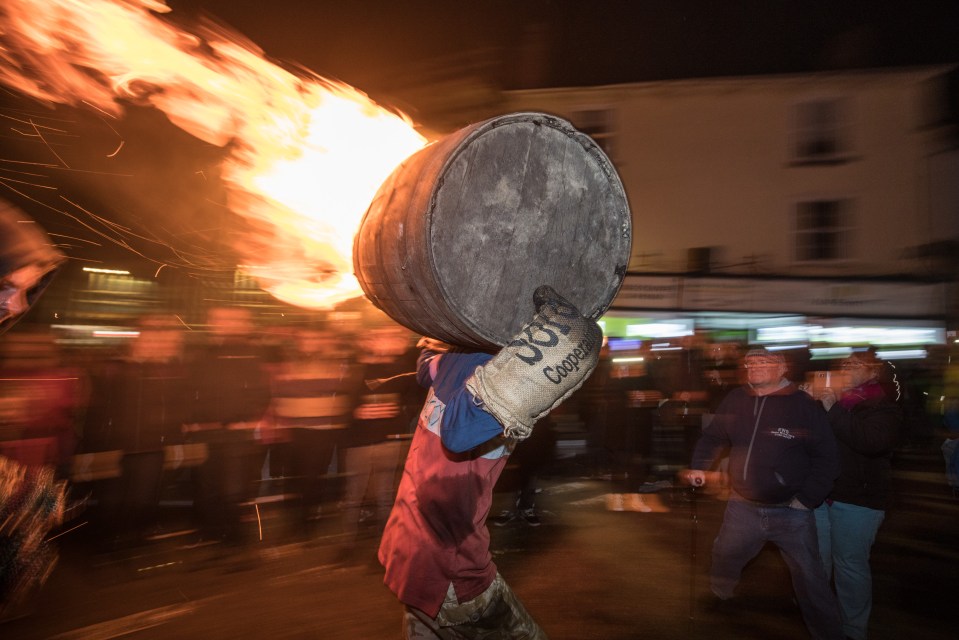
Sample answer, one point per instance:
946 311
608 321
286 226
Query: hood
22 243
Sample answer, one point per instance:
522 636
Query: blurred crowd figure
32 498
40 401
229 394
227 420
866 421
137 406
386 402
311 414
224 417
645 407
783 458
950 424
529 460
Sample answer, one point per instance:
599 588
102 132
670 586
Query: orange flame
306 154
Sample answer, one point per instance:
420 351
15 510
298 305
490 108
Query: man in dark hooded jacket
782 463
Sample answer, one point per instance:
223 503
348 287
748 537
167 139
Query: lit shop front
901 318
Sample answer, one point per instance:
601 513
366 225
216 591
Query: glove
543 364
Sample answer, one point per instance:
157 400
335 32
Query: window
823 230
820 132
598 125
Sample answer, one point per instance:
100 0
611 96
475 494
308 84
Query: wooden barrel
460 235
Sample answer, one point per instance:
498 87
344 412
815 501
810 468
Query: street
585 573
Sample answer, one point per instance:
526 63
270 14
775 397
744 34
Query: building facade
825 194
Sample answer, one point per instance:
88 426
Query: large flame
306 154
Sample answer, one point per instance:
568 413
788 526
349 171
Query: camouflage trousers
495 613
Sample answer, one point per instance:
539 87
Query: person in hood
783 460
867 425
28 262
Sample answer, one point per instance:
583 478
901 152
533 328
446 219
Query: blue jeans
846 535
746 528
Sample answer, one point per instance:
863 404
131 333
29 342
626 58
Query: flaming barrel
460 235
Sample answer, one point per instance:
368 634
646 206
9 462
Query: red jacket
436 534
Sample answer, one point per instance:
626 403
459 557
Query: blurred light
664 346
850 332
660 329
117 272
877 335
624 345
630 359
345 316
785 347
901 354
784 333
105 333
826 353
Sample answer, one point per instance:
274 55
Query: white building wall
709 163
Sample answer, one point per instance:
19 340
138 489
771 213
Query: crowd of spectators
225 416
220 418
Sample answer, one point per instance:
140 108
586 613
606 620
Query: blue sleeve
423 375
464 425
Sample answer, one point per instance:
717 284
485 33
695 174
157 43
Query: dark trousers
312 454
131 502
532 456
225 481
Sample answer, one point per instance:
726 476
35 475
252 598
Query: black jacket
228 382
136 406
780 446
867 435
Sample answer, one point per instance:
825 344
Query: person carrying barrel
435 545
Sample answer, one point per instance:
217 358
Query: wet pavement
586 572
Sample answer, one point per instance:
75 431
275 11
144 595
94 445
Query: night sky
599 42
164 184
